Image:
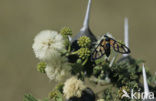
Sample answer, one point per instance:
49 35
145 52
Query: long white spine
126 34
146 88
87 16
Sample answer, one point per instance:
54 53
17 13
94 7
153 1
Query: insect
104 47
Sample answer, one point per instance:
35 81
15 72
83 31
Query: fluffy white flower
55 73
48 44
73 87
58 68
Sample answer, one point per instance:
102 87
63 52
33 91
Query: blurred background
21 20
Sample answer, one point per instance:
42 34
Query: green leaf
46 99
29 97
58 97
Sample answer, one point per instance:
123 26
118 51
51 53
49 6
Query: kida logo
137 95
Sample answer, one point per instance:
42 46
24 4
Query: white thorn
70 38
146 89
126 34
112 61
86 20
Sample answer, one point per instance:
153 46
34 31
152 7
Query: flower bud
41 67
84 41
